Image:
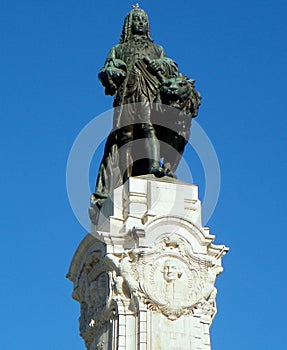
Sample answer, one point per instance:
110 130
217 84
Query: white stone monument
145 275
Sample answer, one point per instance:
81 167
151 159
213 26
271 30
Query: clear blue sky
51 52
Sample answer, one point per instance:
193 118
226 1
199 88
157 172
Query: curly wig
127 27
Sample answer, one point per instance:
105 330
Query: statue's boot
153 155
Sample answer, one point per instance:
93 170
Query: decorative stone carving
168 278
172 279
140 270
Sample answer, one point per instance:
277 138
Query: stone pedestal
145 275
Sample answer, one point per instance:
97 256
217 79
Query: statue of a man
139 76
132 73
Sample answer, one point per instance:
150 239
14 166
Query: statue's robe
140 84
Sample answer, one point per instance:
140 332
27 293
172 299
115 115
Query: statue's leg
145 150
166 130
152 149
124 141
151 146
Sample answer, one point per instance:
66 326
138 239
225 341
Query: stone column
145 275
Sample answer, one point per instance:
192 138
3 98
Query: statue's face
170 271
139 23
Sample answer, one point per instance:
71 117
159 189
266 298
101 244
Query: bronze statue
141 79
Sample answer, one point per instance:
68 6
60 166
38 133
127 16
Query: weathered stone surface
145 275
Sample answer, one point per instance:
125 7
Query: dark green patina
153 107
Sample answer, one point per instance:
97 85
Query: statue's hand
155 66
112 75
111 79
116 73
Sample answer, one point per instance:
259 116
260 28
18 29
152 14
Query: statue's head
136 23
